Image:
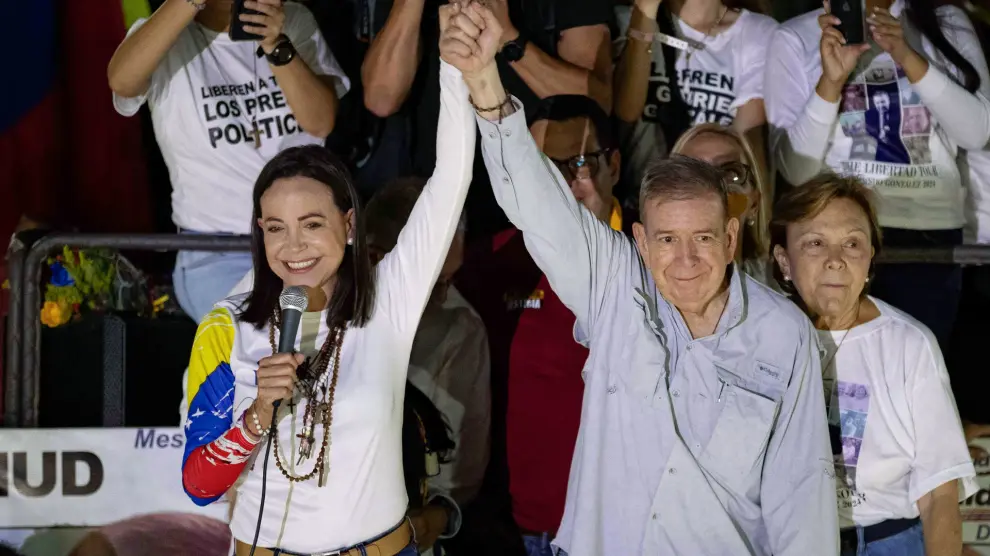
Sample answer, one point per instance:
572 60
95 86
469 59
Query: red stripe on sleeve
212 468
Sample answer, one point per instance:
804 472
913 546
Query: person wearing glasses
750 192
536 360
701 427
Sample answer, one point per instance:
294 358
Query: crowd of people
586 277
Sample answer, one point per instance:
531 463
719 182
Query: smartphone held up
237 32
852 15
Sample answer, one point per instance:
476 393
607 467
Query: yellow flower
54 314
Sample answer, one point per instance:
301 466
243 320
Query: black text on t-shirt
708 94
230 110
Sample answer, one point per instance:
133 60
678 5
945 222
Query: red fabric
30 177
104 157
211 469
71 161
30 172
544 388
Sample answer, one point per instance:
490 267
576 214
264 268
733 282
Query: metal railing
24 264
23 358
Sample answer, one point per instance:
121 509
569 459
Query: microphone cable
273 429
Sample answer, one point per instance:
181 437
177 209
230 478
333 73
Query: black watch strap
514 50
282 54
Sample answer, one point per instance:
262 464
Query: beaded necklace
312 380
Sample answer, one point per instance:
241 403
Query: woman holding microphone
335 481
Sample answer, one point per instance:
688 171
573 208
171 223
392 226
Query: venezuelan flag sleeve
216 450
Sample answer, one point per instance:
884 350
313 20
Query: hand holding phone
839 56
237 32
852 21
889 35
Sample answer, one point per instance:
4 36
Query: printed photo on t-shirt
853 98
917 121
884 117
863 148
853 124
848 409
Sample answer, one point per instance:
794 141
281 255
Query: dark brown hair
353 297
808 201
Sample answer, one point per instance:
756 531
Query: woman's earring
350 241
751 221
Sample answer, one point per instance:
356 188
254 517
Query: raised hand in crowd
838 58
889 35
469 37
269 23
500 8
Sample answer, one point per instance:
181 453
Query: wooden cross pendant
257 135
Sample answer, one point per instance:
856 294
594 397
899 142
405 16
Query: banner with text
91 477
976 509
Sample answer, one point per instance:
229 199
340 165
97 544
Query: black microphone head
294 298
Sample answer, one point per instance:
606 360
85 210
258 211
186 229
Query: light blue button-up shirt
712 446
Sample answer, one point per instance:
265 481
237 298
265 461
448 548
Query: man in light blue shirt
703 430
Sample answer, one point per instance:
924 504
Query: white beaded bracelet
246 431
198 5
257 424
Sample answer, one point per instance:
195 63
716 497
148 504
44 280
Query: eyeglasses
736 175
581 166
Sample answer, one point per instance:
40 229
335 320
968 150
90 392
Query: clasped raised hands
470 35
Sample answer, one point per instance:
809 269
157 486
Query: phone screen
237 32
850 13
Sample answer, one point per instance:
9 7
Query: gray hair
680 178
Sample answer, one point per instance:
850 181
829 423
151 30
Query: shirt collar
735 306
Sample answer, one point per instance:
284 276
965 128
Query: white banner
91 477
976 509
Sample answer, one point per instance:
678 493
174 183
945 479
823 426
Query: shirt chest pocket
739 438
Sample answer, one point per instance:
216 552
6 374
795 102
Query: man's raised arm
572 247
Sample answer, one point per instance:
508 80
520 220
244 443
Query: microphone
293 301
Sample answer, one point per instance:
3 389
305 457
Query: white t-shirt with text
895 430
723 74
884 133
205 97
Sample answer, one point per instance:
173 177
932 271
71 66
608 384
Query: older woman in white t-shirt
896 112
901 460
717 58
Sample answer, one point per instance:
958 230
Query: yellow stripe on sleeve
212 347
